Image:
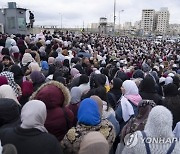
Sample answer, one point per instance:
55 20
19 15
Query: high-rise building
148 20
163 20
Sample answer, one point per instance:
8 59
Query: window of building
11 22
21 23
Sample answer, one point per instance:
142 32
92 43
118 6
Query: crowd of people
83 93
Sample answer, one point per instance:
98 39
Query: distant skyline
75 12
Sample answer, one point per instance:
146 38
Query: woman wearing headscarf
84 83
159 127
128 103
11 82
31 136
172 101
74 103
37 79
136 123
6 91
94 142
123 76
56 97
9 113
89 119
148 90
97 86
18 75
27 90
75 75
115 92
26 60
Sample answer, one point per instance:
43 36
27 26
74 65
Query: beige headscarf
6 91
94 143
99 102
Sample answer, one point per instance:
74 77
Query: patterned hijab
11 82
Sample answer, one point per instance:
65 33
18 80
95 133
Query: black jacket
30 141
173 104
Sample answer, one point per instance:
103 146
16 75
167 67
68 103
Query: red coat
59 118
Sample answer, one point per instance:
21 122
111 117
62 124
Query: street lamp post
114 16
119 20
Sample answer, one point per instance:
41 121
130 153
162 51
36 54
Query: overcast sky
74 12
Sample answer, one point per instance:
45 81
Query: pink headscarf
131 92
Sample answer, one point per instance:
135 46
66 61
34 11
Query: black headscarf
97 80
123 76
117 83
138 74
18 74
148 85
170 90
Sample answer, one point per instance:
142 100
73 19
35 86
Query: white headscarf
159 122
130 87
132 94
27 58
168 80
6 91
0 148
75 95
33 115
177 130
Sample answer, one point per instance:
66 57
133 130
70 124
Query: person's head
159 122
6 91
51 60
37 77
94 142
6 60
116 83
5 51
97 80
16 70
83 79
60 79
88 112
33 115
148 84
123 76
53 94
9 111
170 90
144 107
75 95
129 88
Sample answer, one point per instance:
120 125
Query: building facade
163 20
148 20
13 19
153 21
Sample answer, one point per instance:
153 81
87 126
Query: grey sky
74 12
